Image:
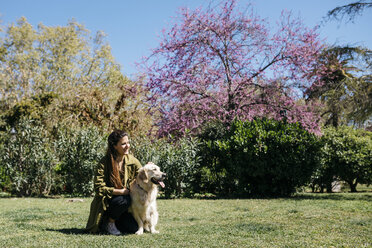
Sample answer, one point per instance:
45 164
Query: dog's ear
143 176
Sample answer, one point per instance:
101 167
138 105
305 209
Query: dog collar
139 186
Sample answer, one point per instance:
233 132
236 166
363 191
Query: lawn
306 220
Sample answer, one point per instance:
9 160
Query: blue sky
133 26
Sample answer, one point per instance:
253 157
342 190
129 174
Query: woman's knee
121 200
127 200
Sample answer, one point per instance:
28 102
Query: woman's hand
123 191
126 191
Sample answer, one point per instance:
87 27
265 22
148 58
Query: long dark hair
112 141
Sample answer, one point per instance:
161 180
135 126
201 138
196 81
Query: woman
109 208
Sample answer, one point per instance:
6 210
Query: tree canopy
64 75
221 63
346 90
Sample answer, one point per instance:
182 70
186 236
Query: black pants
118 210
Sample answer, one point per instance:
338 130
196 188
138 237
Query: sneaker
111 229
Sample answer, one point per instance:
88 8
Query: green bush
27 160
34 108
5 183
146 149
262 157
347 156
212 176
79 152
324 175
179 159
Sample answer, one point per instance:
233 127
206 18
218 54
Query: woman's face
122 147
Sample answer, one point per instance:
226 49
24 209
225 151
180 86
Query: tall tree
66 76
346 91
347 154
221 63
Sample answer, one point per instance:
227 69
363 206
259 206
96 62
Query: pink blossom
224 64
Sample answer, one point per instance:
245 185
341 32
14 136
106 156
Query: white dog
143 191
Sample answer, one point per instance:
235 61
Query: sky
133 27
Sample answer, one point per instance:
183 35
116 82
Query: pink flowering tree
221 63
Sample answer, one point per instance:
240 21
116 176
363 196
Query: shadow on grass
77 231
356 196
334 196
69 231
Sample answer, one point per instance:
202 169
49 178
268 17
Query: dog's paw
154 231
146 227
139 232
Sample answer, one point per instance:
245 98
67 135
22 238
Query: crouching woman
109 208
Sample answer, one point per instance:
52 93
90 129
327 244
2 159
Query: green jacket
103 188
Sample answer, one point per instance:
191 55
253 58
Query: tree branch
350 10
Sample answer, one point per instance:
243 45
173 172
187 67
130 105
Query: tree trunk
329 188
335 119
353 185
313 188
321 190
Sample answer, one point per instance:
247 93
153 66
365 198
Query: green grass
306 220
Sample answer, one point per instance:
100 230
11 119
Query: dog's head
151 173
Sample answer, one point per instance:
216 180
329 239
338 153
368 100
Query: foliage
5 183
349 10
324 176
262 157
34 108
346 91
79 152
68 83
146 149
179 159
348 155
223 63
27 161
212 176
78 70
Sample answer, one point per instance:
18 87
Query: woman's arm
100 186
124 191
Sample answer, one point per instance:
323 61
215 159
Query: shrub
179 159
347 155
324 175
27 160
212 176
146 149
5 182
262 157
79 151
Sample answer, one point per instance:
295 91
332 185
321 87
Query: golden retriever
143 191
